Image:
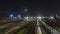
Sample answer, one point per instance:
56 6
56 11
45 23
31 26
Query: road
52 31
32 27
13 27
38 28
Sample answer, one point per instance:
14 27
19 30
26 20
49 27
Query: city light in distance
51 17
19 16
11 15
39 17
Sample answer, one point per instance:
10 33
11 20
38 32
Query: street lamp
11 15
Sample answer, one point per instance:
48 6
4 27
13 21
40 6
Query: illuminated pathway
14 28
38 28
53 31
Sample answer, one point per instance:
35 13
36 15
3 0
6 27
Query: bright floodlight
51 17
11 15
39 17
26 17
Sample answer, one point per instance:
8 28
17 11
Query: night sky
42 7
